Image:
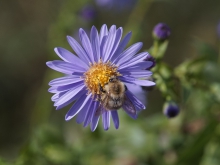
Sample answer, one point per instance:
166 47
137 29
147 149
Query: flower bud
150 58
161 31
170 109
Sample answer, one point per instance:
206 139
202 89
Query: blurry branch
137 18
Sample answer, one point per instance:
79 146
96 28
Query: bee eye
111 79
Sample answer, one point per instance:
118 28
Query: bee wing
100 110
129 107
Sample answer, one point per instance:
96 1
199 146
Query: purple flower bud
171 109
161 31
117 5
88 12
150 58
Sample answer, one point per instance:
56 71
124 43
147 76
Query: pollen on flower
99 74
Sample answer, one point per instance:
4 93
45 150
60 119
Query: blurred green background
32 132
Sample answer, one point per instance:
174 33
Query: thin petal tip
106 129
93 27
49 63
152 83
68 37
81 30
93 129
67 118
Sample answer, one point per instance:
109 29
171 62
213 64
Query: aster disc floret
98 75
99 58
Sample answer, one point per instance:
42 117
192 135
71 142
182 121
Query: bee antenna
126 88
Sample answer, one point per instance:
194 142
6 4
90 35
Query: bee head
113 79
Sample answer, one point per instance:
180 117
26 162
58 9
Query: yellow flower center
98 75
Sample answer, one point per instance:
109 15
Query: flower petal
102 46
77 106
115 118
52 66
137 73
127 79
86 44
68 87
106 120
121 46
82 92
70 57
52 90
143 82
67 67
138 91
94 123
70 94
78 49
140 65
128 53
137 103
116 43
135 60
103 32
109 43
64 81
82 114
132 80
90 113
94 37
56 96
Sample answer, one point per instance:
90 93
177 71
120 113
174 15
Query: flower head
161 31
171 109
88 77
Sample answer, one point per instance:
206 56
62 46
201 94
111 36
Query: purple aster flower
88 12
116 4
171 109
91 76
161 31
104 2
150 58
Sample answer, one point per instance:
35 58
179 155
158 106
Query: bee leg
101 89
98 99
126 88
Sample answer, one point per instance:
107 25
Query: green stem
155 49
